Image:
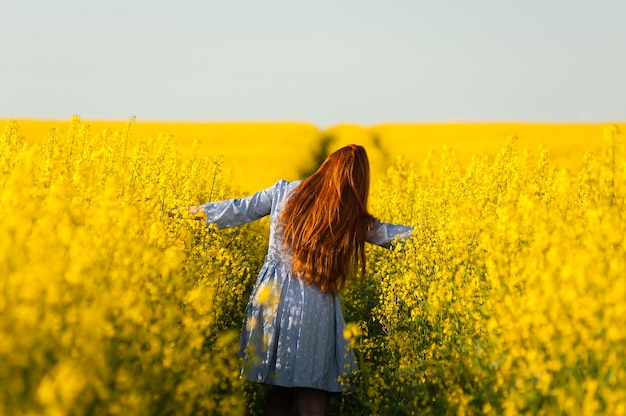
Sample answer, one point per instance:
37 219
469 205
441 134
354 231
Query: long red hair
325 220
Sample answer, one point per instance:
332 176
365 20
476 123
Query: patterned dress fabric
293 333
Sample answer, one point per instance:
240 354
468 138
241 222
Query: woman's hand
196 211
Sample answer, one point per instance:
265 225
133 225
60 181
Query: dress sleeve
238 211
385 234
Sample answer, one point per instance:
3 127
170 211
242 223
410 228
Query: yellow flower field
510 298
256 155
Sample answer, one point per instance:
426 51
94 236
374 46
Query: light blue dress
293 333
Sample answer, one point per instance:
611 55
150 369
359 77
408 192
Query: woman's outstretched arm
237 211
385 234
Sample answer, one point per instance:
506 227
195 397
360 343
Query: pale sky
317 61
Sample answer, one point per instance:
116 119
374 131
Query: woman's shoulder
283 188
285 184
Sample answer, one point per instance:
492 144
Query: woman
292 339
